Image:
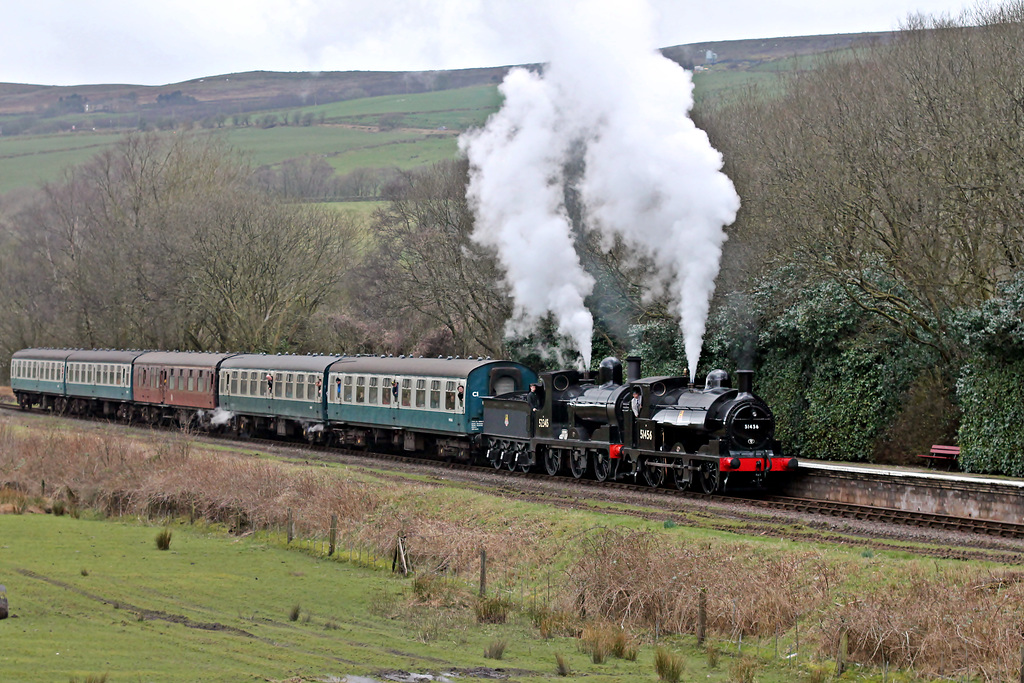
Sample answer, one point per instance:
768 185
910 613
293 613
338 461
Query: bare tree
894 169
425 270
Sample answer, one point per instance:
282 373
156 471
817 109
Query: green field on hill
416 129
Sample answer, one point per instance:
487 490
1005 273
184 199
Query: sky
66 42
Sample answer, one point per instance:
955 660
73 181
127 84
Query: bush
668 666
495 650
293 615
991 437
743 670
163 539
562 666
492 610
713 655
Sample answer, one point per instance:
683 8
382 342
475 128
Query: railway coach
428 405
276 395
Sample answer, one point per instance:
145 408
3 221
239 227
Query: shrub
991 432
668 666
562 666
624 647
713 655
58 508
496 649
163 539
555 623
492 610
743 670
293 615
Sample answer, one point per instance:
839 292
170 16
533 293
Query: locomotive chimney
633 368
745 381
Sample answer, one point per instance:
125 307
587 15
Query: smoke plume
651 176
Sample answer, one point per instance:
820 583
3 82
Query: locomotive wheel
552 461
708 478
654 476
61 405
578 462
602 465
680 475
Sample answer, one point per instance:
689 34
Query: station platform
910 489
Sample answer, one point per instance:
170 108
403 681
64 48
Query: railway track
825 508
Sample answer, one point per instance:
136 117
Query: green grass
94 597
27 161
444 107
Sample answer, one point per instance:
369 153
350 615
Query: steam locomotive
643 430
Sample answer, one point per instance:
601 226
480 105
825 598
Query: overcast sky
66 42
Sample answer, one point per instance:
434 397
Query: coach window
234 382
449 395
360 390
435 394
373 392
311 387
289 386
385 391
406 392
421 393
346 392
300 386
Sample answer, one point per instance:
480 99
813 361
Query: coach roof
197 359
424 367
42 354
259 361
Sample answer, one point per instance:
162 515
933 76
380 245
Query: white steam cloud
651 177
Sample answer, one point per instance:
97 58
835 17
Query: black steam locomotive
644 429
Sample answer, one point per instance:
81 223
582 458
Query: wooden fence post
702 614
290 529
401 555
841 653
483 572
334 535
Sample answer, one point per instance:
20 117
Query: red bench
942 454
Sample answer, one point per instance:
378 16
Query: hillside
354 120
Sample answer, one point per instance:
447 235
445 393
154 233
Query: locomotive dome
717 379
609 371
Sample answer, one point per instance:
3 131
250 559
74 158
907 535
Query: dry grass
602 641
634 579
562 667
492 610
743 670
495 649
163 539
668 666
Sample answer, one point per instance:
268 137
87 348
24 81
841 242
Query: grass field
567 578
